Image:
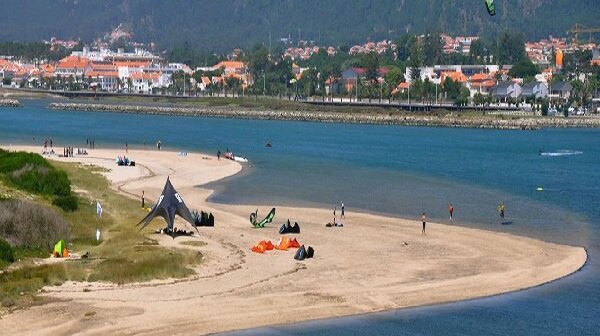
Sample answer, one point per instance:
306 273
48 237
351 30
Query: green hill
224 24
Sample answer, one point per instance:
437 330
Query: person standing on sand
126 147
501 211
424 219
343 215
451 211
219 154
143 200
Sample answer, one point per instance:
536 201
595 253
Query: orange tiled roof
47 68
102 67
455 76
231 64
486 84
71 62
145 75
480 77
132 64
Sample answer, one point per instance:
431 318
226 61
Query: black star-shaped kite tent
168 205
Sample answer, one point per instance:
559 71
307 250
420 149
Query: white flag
98 209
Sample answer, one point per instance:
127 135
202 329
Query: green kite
491 7
262 223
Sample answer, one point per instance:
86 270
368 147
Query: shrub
33 173
6 252
29 225
67 203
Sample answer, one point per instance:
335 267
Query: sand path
373 263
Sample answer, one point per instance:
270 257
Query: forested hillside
221 25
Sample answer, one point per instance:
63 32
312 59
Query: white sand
374 263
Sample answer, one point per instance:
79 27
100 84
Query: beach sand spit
373 263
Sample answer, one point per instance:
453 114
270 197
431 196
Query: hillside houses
103 70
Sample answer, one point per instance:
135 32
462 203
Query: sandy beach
373 263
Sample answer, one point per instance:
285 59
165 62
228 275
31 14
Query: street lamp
436 92
409 107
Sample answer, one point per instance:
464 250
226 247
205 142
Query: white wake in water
562 152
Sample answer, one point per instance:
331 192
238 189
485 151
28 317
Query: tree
394 77
432 48
371 63
477 52
463 97
479 99
545 107
404 47
308 82
451 88
523 69
415 61
510 48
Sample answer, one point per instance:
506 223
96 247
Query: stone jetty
393 118
5 102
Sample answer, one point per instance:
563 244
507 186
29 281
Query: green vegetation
32 50
247 22
28 225
7 255
124 254
524 69
32 173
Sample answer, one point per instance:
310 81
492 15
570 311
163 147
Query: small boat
269 144
231 156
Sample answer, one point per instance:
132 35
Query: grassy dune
123 255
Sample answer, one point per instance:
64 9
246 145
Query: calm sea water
400 171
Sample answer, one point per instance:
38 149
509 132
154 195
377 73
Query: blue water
401 171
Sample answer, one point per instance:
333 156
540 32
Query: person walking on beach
424 219
334 211
501 211
219 154
143 200
343 215
451 211
126 147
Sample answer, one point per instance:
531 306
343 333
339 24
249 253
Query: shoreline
399 119
350 275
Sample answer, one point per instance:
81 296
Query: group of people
124 161
68 151
91 143
342 215
46 142
501 209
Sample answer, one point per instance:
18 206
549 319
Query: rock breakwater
394 118
9 103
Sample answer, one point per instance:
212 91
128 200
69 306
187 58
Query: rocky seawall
489 122
9 103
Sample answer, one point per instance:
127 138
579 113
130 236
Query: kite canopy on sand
261 224
169 204
60 248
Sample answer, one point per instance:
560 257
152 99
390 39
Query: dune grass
123 255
